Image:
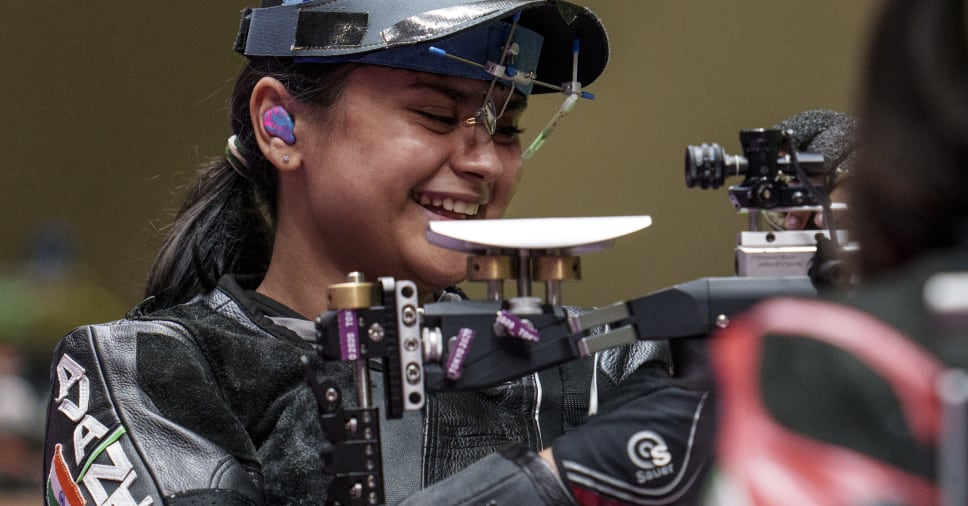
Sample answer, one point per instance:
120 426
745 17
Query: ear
269 108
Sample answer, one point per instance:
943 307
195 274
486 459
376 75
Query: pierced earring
285 158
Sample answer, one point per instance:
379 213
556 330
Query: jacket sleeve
115 435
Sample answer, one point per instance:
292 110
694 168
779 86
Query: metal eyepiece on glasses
485 116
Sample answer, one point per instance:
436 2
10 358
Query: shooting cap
400 33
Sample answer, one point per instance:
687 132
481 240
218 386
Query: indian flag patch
61 488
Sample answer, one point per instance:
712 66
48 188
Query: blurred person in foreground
840 401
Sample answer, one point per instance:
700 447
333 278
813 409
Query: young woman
350 135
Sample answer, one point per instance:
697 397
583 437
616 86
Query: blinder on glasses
487 115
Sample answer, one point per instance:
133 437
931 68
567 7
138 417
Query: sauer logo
648 451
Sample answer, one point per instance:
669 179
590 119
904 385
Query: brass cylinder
556 268
354 294
490 268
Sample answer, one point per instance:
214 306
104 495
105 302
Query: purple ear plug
278 122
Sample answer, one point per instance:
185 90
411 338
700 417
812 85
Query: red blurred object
771 464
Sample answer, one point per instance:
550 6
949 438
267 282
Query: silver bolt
413 373
332 395
376 332
409 315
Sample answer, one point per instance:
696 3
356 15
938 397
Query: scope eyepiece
707 166
770 178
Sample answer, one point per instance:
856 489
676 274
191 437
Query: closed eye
507 134
446 123
446 120
437 123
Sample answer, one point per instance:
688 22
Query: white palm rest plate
574 235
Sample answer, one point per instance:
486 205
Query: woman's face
390 156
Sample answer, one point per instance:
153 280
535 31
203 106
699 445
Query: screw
413 373
376 332
409 315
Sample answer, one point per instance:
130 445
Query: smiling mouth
448 207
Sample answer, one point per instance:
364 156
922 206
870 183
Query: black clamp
351 453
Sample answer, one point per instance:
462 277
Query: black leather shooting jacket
207 402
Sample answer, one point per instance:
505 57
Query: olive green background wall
108 107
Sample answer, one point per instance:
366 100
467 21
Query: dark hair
226 221
907 192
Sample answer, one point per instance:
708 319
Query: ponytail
218 229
